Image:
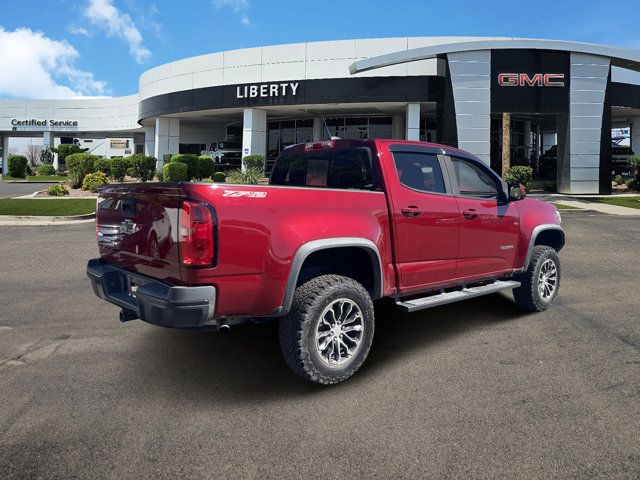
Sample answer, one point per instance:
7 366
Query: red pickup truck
341 224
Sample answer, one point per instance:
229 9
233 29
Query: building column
254 132
318 129
413 121
397 127
579 163
150 141
5 155
166 138
471 86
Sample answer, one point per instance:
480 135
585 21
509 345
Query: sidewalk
582 202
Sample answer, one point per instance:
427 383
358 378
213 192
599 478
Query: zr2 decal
243 193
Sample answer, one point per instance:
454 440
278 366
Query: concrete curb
13 220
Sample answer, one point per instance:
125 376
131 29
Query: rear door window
419 171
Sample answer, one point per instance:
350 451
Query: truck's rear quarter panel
261 227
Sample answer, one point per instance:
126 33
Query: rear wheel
327 334
540 283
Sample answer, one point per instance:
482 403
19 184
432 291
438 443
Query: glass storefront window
355 129
380 127
428 129
283 133
359 128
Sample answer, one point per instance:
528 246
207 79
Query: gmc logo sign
537 80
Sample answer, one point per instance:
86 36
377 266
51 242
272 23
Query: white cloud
78 30
235 5
238 6
103 14
35 66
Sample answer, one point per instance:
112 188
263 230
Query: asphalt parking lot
14 189
470 390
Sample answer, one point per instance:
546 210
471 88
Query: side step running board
455 296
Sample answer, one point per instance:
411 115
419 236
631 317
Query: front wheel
327 334
541 281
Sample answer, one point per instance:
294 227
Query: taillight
197 243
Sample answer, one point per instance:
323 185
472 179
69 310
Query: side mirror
516 192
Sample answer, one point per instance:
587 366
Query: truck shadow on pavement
246 364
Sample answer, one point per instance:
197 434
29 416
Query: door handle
411 211
470 214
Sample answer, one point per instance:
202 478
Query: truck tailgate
137 229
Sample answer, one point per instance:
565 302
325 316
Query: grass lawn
564 207
631 202
38 178
48 207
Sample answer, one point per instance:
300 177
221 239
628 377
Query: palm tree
506 143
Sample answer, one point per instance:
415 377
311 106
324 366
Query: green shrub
57 190
523 175
79 165
219 177
166 158
94 181
65 150
144 168
617 179
250 176
205 167
103 165
17 166
29 171
633 163
253 162
118 168
190 160
632 184
46 169
175 172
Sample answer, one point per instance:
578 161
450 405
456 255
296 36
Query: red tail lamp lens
196 234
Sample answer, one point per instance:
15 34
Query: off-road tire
297 329
527 296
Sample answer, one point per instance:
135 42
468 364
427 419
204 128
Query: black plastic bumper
151 300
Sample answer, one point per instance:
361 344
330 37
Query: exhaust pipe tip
224 328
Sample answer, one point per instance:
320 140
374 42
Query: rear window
348 168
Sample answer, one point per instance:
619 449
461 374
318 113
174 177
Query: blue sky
65 48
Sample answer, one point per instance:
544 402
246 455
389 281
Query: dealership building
564 99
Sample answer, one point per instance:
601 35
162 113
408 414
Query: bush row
80 165
198 167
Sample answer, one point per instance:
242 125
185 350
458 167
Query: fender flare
532 241
326 243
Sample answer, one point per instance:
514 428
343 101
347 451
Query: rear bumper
151 300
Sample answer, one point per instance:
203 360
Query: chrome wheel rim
339 332
547 279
